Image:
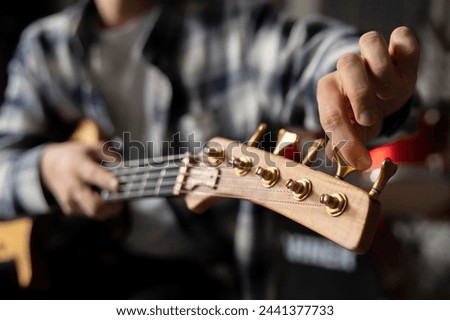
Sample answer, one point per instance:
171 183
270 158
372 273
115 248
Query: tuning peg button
300 188
387 170
344 168
242 165
215 154
285 139
257 135
269 176
335 203
312 151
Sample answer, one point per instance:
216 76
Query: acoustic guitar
325 204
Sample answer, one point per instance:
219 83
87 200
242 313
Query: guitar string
130 171
142 177
133 194
137 176
148 192
172 183
145 178
150 182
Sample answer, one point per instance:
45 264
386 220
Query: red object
401 151
412 149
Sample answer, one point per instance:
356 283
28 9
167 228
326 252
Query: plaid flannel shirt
228 68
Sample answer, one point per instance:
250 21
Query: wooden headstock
325 204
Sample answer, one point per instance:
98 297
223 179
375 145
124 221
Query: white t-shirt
120 77
123 76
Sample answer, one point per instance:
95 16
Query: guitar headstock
325 204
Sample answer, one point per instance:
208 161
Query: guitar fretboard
154 177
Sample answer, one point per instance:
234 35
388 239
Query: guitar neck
155 177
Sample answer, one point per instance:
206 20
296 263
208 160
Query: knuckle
380 66
406 41
358 94
370 38
90 171
405 33
348 59
324 83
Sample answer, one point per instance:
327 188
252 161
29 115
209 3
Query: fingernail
386 92
367 117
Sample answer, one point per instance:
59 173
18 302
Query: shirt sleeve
290 56
23 134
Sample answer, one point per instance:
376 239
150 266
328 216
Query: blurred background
416 203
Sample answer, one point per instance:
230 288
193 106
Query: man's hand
69 170
354 100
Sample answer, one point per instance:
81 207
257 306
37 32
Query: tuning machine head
257 135
300 189
241 165
215 154
387 170
269 176
335 203
344 168
312 151
285 140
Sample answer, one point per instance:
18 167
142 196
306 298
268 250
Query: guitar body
23 242
15 239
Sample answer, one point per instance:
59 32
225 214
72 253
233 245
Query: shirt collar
84 24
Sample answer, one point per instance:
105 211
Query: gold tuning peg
312 151
254 139
241 165
215 154
300 189
336 203
344 168
269 176
285 139
387 170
